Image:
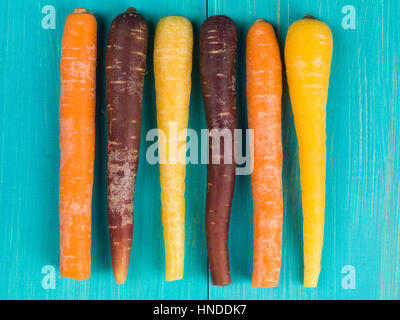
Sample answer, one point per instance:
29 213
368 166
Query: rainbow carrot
77 134
264 93
218 43
125 70
173 47
308 54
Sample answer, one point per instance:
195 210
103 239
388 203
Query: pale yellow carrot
173 46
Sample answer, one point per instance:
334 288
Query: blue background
363 158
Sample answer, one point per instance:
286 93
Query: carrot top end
81 11
309 16
131 10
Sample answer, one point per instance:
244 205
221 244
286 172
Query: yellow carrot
308 54
173 46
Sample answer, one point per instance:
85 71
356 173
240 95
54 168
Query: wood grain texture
29 239
362 199
363 157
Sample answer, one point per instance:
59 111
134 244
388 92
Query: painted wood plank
362 199
30 162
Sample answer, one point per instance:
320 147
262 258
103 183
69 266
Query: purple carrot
125 70
218 42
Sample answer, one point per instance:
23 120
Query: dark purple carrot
218 42
125 70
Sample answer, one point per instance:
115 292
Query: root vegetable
173 49
308 54
125 70
218 42
77 135
264 94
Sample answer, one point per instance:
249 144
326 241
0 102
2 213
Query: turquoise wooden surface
362 194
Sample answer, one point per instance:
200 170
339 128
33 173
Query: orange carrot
264 92
77 130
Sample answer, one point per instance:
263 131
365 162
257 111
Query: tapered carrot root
218 42
308 54
264 93
173 46
77 135
125 70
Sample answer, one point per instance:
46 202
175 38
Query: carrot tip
311 277
173 277
120 271
120 277
222 283
263 284
310 284
77 277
